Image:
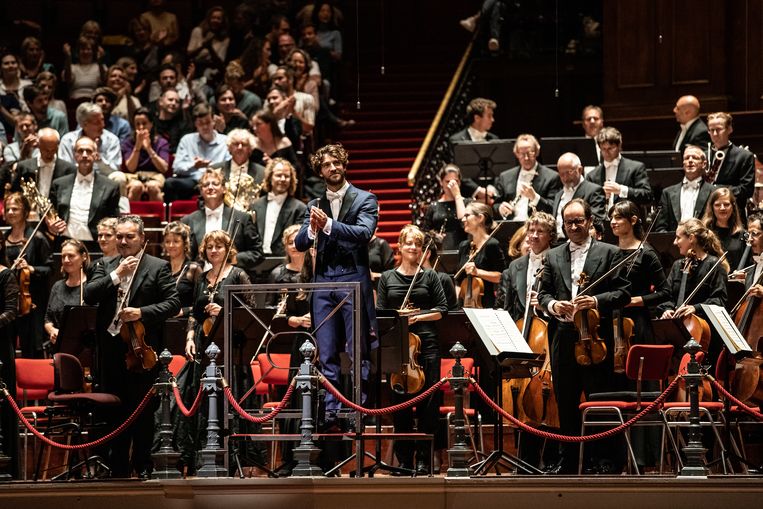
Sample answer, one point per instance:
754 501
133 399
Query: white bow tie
534 258
214 214
691 185
333 195
278 198
577 247
84 179
757 258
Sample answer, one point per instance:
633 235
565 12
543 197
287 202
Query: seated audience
146 158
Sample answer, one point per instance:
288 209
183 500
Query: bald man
46 167
693 129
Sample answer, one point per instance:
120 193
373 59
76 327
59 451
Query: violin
589 348
623 332
697 327
472 287
209 322
140 355
538 400
25 305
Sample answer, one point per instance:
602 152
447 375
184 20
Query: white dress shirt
578 255
533 263
45 175
476 135
214 218
689 194
335 201
567 194
684 128
524 180
610 175
758 259
79 208
275 203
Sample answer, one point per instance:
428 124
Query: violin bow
227 255
424 255
476 251
132 280
608 273
646 235
699 285
747 292
26 244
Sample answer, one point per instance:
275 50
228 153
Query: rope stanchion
95 443
188 412
381 411
577 438
726 394
265 418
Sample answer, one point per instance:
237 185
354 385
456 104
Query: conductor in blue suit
343 220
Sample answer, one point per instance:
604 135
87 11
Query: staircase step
390 162
383 173
395 203
389 151
351 145
387 225
383 183
357 134
391 215
399 193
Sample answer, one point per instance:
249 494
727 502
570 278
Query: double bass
747 384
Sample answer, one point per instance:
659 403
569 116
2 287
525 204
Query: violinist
67 291
700 244
32 268
723 218
449 208
216 250
481 257
9 292
151 299
177 248
558 295
426 294
755 230
446 280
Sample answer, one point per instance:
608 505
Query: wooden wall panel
636 36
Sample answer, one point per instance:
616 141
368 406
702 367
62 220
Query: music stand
512 358
671 331
553 148
663 177
484 160
76 336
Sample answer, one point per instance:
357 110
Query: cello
140 356
538 399
748 317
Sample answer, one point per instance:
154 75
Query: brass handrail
438 117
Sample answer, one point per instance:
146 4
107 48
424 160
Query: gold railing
438 117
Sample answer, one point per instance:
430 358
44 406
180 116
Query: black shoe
403 466
145 475
422 468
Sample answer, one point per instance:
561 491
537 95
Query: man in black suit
519 189
46 168
218 216
240 146
736 168
573 186
620 177
152 299
688 198
279 208
479 115
560 295
84 198
693 130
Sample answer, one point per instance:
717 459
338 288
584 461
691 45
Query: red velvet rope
386 410
728 395
188 412
577 438
88 445
265 418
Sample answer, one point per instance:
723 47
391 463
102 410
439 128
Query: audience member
47 82
105 98
11 91
146 158
327 29
169 120
87 74
230 117
298 104
125 103
270 140
38 102
25 141
246 101
164 24
32 59
208 44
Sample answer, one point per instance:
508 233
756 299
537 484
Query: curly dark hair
337 151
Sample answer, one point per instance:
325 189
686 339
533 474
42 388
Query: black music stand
512 358
553 148
484 160
76 336
654 159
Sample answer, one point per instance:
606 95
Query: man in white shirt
44 168
480 115
688 198
693 131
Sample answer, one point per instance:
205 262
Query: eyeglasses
754 233
578 221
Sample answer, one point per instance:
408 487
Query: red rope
188 412
728 395
386 410
577 438
259 420
94 443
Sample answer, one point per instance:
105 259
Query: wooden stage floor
591 492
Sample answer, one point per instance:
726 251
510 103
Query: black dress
442 213
490 258
30 328
426 294
185 282
9 294
733 243
380 255
61 295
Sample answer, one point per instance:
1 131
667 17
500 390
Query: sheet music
498 330
726 328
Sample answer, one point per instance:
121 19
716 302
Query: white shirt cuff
327 228
114 278
623 191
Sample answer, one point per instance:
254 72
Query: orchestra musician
32 269
445 214
340 224
9 293
107 236
694 238
559 296
723 217
488 262
177 248
426 295
480 117
520 189
518 244
152 299
736 169
208 300
755 230
68 291
46 167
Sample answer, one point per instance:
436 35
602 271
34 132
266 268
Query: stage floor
622 492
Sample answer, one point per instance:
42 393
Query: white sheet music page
497 326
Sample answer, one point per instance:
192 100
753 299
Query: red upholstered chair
446 368
644 363
180 208
34 381
153 213
176 364
274 372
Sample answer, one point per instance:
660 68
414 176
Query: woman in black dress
445 214
489 262
723 218
37 260
9 301
177 248
67 291
426 294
